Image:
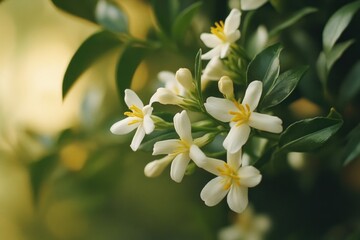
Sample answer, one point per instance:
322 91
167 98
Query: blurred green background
64 176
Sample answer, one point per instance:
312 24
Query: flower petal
166 77
137 139
232 22
219 108
215 52
249 176
148 124
253 94
156 167
210 40
123 126
252 4
165 96
214 70
132 99
237 198
213 192
166 146
201 160
233 37
236 138
183 126
178 167
234 159
265 122
224 50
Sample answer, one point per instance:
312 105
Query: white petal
249 176
165 96
224 50
215 52
213 192
132 99
123 127
234 159
178 167
253 94
237 137
166 146
219 108
148 124
137 139
210 40
214 70
232 22
233 37
201 160
252 4
166 77
155 168
237 198
265 122
183 126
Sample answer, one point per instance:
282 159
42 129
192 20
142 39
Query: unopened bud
184 77
155 168
165 96
226 87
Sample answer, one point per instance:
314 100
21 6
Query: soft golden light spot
241 116
136 112
74 156
218 30
230 176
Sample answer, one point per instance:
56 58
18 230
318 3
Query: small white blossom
222 36
213 71
177 150
232 179
139 118
247 5
242 116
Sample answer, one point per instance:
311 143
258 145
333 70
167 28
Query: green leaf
198 70
336 52
310 134
165 13
321 69
292 20
128 62
283 87
183 21
89 51
337 23
111 16
265 158
351 85
265 67
352 148
81 8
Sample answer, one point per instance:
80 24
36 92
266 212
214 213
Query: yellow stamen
184 147
218 30
230 175
136 112
241 116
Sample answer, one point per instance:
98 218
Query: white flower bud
184 77
155 168
226 87
165 96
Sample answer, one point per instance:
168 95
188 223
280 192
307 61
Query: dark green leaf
351 85
111 16
165 13
198 70
265 67
128 62
338 23
321 69
81 8
336 52
265 158
89 51
283 87
352 148
309 134
292 20
183 21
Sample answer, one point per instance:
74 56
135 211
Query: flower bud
165 96
184 77
155 168
226 87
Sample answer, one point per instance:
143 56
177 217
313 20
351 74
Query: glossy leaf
292 20
183 20
111 16
310 134
265 67
336 52
165 13
198 70
352 148
351 85
81 8
128 62
338 23
89 51
283 87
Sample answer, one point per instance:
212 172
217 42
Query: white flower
139 118
213 71
177 150
232 179
242 116
222 36
252 4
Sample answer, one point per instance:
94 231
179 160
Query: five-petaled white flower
222 36
242 116
232 179
139 118
177 150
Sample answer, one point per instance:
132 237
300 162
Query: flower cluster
231 118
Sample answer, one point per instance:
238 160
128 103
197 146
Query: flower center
241 116
136 113
183 147
230 176
218 30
